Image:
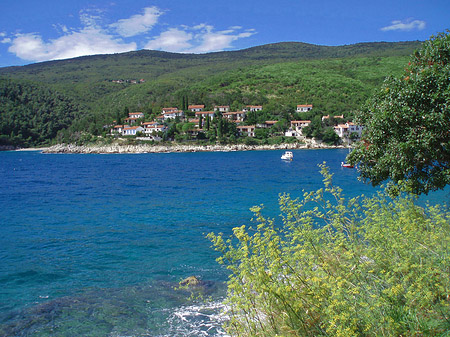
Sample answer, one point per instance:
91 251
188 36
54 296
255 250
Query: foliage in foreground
360 267
407 138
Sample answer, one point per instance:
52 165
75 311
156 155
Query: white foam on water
204 319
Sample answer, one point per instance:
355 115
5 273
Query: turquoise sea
95 245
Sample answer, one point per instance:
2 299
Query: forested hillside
33 115
278 76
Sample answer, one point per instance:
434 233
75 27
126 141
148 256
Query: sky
35 31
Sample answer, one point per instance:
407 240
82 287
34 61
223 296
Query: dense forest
335 80
33 115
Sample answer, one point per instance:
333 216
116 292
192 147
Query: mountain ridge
312 51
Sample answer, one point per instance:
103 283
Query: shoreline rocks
147 148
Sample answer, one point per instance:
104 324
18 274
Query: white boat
346 165
288 155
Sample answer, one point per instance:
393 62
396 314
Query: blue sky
35 31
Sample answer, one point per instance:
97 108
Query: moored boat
288 155
346 165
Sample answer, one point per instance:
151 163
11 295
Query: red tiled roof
205 112
233 113
342 126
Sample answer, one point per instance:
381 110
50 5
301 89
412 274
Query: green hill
279 76
33 114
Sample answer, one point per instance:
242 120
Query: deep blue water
95 244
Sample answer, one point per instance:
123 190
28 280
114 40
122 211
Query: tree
407 137
314 129
126 112
261 133
200 121
330 136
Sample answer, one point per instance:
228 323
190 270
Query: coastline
32 149
147 148
22 149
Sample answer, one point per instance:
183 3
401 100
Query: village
135 125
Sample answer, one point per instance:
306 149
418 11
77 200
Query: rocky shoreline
147 148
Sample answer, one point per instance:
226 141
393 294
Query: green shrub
360 267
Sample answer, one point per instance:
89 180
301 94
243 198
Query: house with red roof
296 128
304 107
196 108
247 130
131 130
172 113
252 108
237 116
222 108
153 127
205 114
117 129
136 114
345 130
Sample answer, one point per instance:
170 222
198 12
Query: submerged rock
192 281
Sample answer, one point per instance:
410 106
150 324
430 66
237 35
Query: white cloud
89 41
92 39
172 40
5 39
217 41
138 24
97 37
91 17
406 25
198 39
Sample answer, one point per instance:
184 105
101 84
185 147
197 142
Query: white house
131 130
222 108
291 133
117 129
304 107
130 120
152 127
345 130
266 124
247 130
234 116
205 114
298 126
253 108
196 108
133 117
173 113
136 115
166 110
